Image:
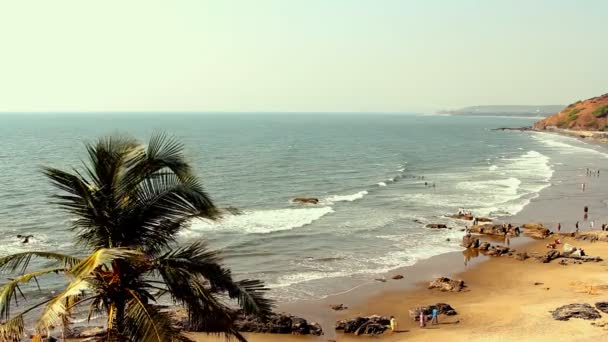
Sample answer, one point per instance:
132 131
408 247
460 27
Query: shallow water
365 169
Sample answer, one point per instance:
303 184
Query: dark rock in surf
306 200
436 226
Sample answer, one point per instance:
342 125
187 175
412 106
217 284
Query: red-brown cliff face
589 115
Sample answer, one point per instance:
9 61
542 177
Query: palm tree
129 203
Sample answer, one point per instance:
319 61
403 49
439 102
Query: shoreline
561 202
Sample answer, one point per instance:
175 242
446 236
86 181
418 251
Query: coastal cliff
587 115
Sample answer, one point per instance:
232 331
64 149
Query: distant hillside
533 111
589 115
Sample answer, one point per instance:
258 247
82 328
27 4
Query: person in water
26 238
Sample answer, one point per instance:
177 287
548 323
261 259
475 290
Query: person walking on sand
576 225
559 227
393 324
435 319
583 186
591 224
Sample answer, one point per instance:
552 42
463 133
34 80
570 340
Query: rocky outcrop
442 309
467 217
602 306
306 200
371 325
447 285
536 230
437 226
277 324
550 255
498 251
593 236
582 311
484 246
338 307
495 229
469 241
397 277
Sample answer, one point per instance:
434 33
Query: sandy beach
502 302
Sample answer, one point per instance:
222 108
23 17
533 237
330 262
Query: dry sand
501 304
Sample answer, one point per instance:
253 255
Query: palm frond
9 289
146 323
196 259
56 308
11 263
100 257
12 330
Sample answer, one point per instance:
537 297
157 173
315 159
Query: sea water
367 170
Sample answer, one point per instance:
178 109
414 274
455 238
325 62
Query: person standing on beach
559 227
591 224
435 319
422 318
393 324
576 225
583 186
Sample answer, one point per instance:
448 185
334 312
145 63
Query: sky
299 55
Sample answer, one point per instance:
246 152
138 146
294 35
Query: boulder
436 225
550 255
484 219
447 285
602 306
536 230
442 309
582 311
397 277
469 241
521 256
306 200
484 246
371 325
338 307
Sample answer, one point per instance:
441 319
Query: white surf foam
493 168
347 198
262 221
381 184
565 145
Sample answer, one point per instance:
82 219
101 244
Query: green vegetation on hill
601 111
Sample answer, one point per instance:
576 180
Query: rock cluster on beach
371 325
582 311
277 323
536 230
494 229
447 285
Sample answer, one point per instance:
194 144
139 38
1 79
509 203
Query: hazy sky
309 55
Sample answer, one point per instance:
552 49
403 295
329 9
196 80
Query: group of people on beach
421 318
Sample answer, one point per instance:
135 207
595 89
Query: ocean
368 171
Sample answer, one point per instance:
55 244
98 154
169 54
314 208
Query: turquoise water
365 169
